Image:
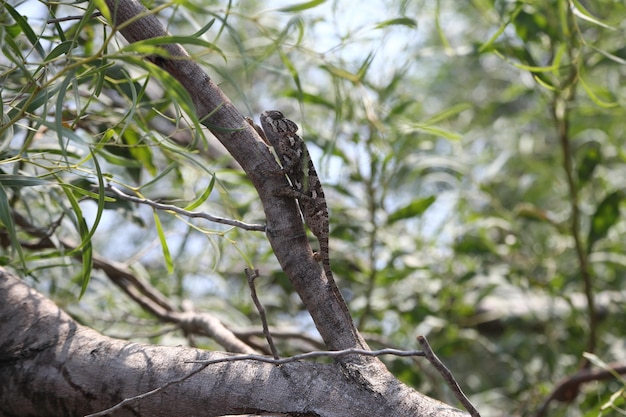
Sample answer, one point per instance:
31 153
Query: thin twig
447 376
251 275
75 17
567 389
560 111
145 394
313 354
259 358
186 213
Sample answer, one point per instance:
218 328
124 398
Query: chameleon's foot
291 193
317 256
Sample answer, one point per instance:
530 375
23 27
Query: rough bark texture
52 366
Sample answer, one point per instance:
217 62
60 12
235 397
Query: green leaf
292 70
413 209
591 157
153 46
9 180
431 130
580 11
26 29
341 73
204 196
85 249
595 98
310 98
529 211
139 151
472 244
402 21
606 215
302 6
167 256
32 102
489 44
6 217
365 66
59 50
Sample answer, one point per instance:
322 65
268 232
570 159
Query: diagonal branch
285 230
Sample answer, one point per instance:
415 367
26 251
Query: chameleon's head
273 114
275 120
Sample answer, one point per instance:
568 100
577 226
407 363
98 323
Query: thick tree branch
285 230
42 347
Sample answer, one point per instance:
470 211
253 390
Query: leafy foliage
472 155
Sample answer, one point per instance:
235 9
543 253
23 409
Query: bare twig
447 376
259 358
251 275
75 17
186 213
561 116
568 388
312 355
145 394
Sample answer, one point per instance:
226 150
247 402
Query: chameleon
293 155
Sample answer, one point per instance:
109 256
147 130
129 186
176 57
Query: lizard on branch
280 133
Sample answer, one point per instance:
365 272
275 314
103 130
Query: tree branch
186 213
41 346
285 230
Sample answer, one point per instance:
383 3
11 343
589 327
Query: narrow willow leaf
606 216
342 73
365 66
302 6
10 180
292 70
85 248
163 173
431 130
60 49
594 97
26 29
87 267
413 209
101 196
203 197
311 99
203 29
534 68
139 151
449 112
601 364
6 217
401 21
591 158
58 117
169 264
580 11
31 103
488 45
145 45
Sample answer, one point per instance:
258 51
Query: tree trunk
52 366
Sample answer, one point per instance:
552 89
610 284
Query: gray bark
52 366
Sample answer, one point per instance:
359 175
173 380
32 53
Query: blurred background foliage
471 152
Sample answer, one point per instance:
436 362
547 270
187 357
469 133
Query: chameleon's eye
275 114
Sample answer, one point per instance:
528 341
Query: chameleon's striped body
307 188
